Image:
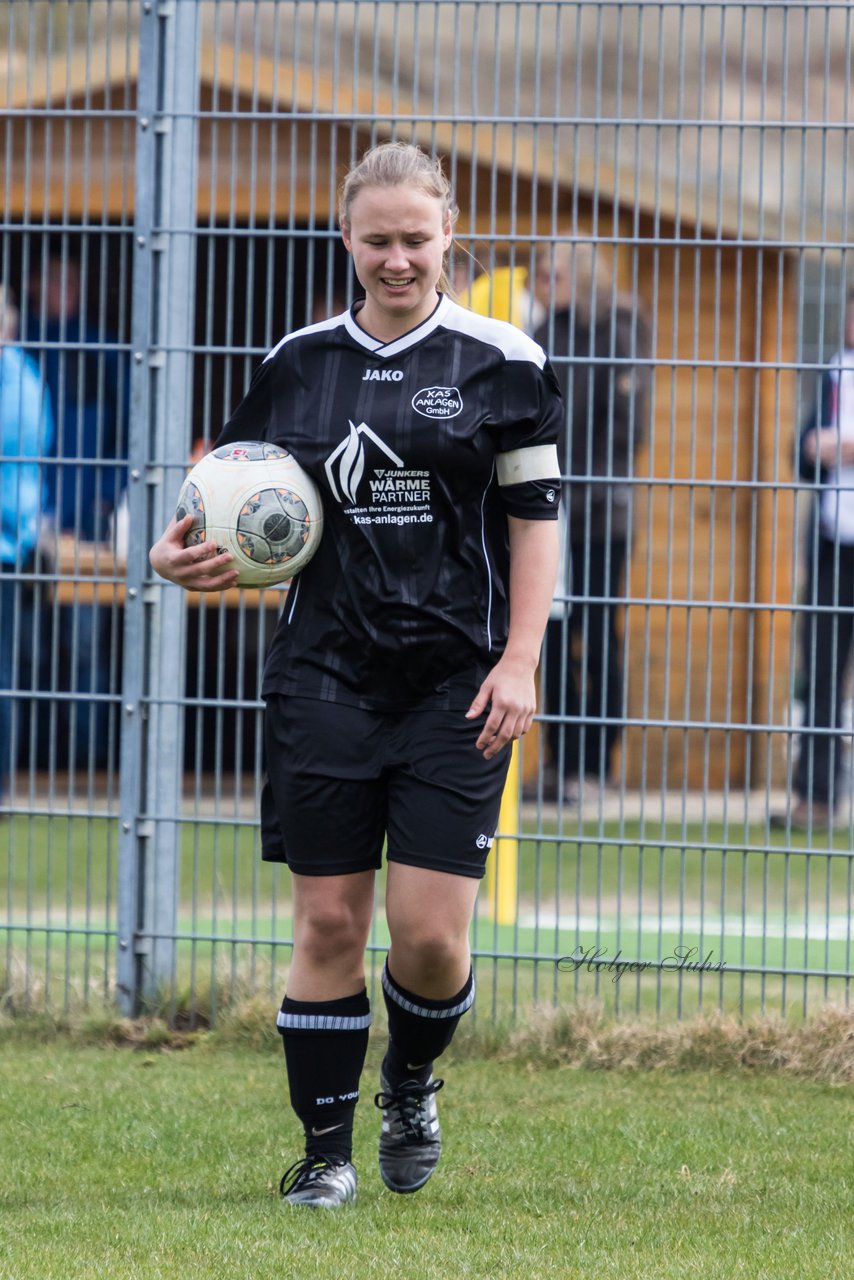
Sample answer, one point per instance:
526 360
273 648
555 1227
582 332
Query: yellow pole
503 295
502 868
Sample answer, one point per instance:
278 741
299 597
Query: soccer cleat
410 1141
319 1183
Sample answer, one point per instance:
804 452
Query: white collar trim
388 349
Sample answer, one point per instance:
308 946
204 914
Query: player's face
398 237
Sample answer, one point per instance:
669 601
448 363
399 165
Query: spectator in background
593 335
827 462
82 371
88 395
26 433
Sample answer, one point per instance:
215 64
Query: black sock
419 1029
325 1044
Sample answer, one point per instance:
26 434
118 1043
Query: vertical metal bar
156 630
130 918
175 273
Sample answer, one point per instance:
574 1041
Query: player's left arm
527 421
509 690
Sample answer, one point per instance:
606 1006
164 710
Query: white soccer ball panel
254 500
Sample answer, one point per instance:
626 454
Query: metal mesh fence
658 191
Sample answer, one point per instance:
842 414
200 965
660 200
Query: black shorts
342 781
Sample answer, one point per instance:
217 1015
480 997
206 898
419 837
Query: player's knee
430 950
329 930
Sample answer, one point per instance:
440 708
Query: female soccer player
403 666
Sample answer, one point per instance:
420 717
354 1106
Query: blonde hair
399 164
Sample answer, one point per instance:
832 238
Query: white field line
836 928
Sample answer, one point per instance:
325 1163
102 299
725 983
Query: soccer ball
254 500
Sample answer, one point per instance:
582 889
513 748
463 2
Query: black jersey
421 448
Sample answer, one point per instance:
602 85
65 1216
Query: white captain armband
520 466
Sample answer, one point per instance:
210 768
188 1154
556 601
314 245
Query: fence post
155 614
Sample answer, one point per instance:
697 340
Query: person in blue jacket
27 433
88 391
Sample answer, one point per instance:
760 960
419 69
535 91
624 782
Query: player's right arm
198 568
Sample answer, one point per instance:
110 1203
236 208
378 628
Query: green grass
740 895
69 861
147 1165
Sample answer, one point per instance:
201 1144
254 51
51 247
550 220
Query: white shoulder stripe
332 323
513 343
539 462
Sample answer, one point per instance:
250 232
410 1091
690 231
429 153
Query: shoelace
408 1101
305 1171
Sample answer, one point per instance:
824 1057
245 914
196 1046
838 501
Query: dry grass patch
819 1048
584 1035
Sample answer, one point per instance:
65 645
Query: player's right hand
200 568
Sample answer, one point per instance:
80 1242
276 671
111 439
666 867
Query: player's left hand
510 694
